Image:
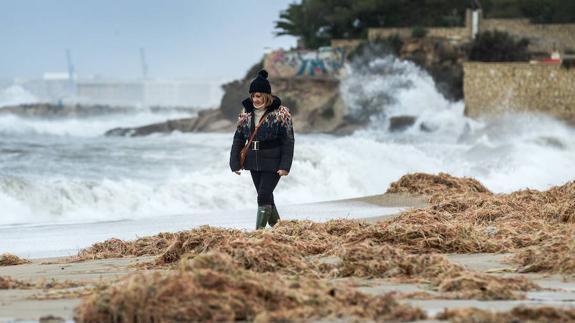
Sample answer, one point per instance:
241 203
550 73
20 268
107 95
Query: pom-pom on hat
261 83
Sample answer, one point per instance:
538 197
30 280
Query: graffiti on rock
325 61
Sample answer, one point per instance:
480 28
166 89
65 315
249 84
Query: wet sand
17 304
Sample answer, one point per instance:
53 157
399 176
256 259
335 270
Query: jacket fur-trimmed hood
249 105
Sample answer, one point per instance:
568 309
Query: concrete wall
324 62
496 88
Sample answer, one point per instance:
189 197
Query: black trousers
265 183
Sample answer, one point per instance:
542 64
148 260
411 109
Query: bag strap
256 129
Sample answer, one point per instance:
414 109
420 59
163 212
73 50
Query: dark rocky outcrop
316 105
206 121
48 110
400 123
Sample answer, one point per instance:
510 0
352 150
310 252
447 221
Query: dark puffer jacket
276 126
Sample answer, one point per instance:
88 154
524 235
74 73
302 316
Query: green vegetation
497 46
538 11
316 22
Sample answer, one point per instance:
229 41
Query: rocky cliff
315 103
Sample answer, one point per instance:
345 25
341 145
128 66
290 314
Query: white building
57 87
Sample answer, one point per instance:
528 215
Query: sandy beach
46 299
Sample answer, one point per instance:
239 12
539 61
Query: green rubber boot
264 213
274 217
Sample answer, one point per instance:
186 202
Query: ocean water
63 176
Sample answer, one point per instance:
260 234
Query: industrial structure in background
68 88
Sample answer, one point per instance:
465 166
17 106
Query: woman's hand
282 172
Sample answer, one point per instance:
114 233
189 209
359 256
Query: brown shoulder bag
244 151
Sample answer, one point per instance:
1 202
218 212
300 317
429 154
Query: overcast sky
200 39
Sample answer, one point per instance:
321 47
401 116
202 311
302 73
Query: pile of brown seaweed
303 237
211 287
298 247
7 259
453 281
481 222
116 248
556 255
428 184
11 283
517 314
7 282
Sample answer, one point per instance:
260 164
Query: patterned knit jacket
277 125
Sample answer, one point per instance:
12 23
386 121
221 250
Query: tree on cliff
538 11
316 22
549 11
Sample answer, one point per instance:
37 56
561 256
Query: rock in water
428 127
400 123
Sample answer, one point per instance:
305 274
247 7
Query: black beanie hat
261 83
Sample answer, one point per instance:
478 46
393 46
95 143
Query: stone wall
455 33
543 37
497 88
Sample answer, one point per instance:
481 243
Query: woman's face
257 99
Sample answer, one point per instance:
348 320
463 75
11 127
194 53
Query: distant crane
144 63
71 73
144 76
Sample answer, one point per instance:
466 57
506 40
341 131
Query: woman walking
265 135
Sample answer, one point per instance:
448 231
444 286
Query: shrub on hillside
497 46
